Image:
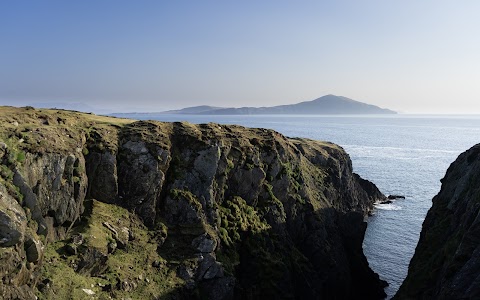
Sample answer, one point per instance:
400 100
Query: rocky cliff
112 208
446 263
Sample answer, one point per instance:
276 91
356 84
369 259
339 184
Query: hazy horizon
121 56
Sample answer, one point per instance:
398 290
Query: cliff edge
446 263
102 207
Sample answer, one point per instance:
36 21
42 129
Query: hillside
112 208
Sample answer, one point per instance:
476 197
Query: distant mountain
326 105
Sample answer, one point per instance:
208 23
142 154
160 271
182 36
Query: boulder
204 243
208 267
33 249
215 270
92 262
184 272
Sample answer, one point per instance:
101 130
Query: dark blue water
401 154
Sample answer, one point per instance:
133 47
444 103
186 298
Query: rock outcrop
148 209
446 263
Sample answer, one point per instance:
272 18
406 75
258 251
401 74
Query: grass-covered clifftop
106 208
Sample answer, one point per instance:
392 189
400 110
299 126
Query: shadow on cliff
308 254
320 263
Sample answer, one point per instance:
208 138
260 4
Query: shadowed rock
446 263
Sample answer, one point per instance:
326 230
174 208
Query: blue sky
411 56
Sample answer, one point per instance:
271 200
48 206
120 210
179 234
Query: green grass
237 218
132 264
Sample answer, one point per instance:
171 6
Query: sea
402 154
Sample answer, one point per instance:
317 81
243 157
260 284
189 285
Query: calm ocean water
401 154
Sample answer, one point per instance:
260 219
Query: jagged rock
183 208
446 263
185 273
215 270
13 220
140 178
204 243
208 267
30 200
110 227
122 236
53 188
33 249
92 262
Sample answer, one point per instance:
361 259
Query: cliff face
148 209
446 263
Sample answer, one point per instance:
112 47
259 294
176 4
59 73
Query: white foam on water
397 149
389 206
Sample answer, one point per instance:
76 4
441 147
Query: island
325 105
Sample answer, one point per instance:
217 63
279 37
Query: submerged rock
393 197
386 202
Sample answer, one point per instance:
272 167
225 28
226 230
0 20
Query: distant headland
325 105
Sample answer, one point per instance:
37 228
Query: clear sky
410 56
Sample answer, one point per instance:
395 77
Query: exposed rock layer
446 263
212 211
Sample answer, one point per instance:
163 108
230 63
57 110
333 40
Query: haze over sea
402 154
